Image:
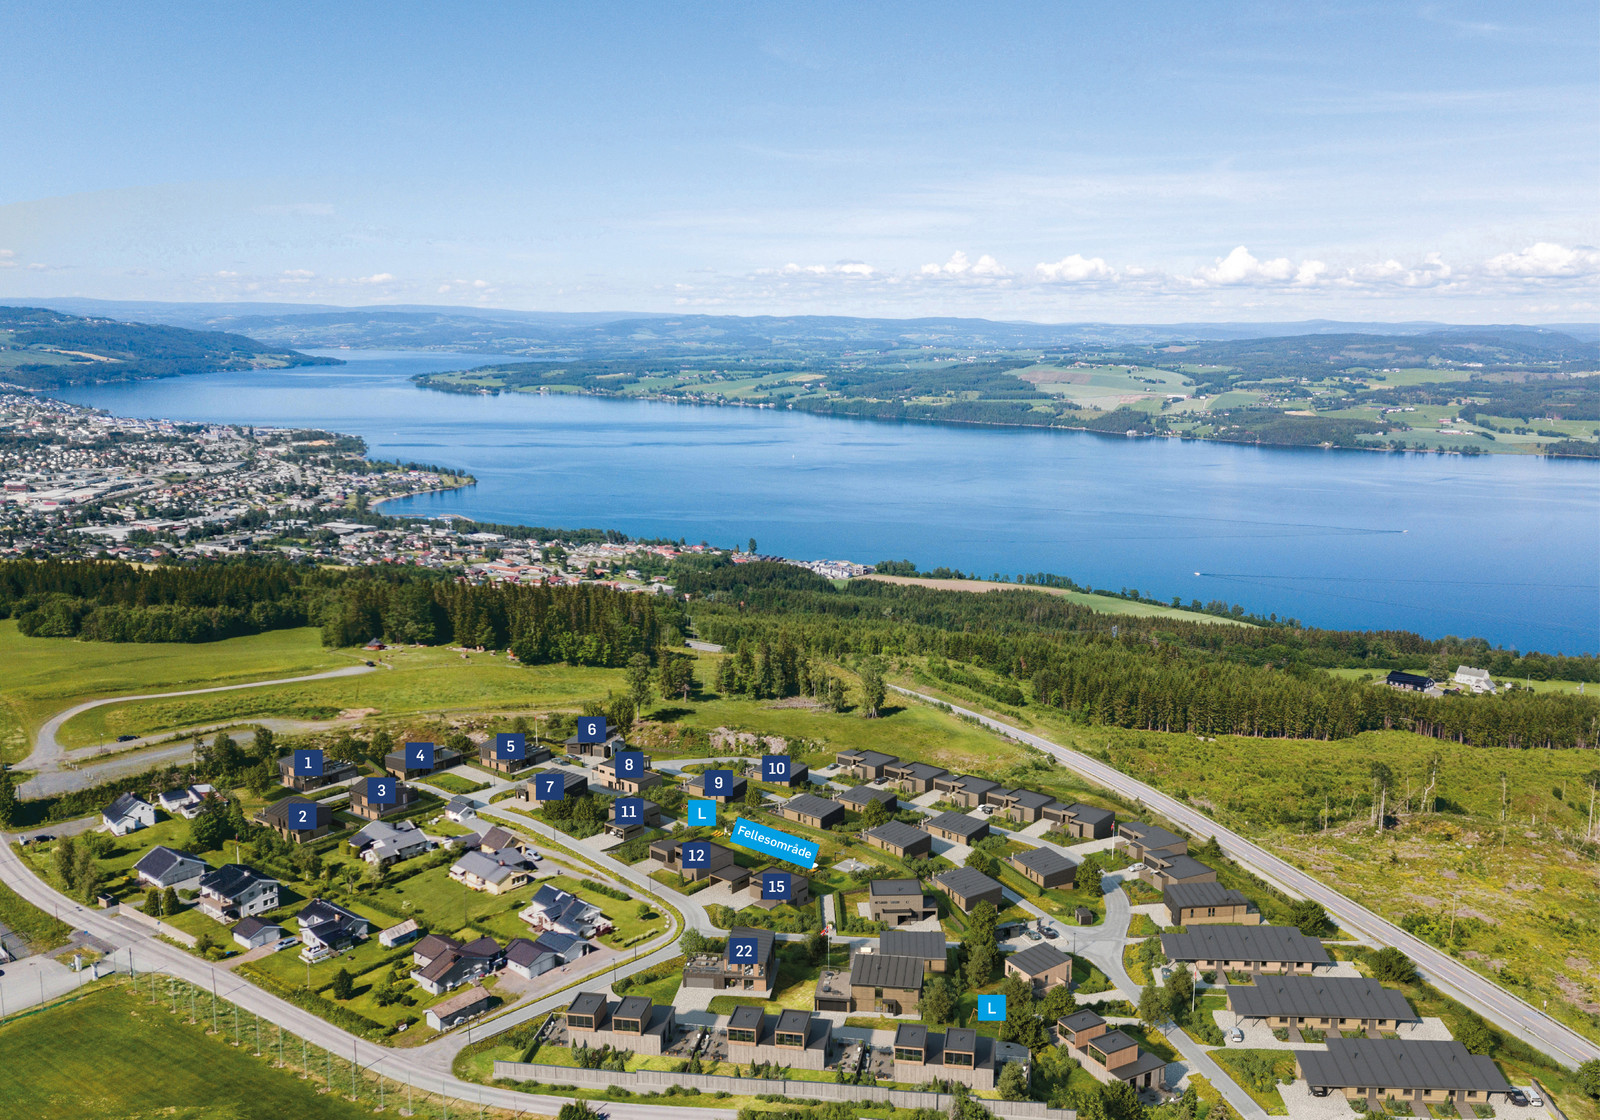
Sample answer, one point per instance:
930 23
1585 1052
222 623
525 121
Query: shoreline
422 381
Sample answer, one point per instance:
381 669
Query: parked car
126 738
1535 1099
1035 935
1236 1036
1136 868
1518 1098
1051 933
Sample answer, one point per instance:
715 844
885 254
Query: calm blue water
1504 547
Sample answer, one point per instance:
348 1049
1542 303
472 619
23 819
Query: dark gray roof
974 784
249 927
634 1007
1089 813
898 834
1146 1062
1111 1042
963 1040
958 823
1202 894
519 950
122 806
1341 996
1392 1063
1184 867
911 1035
1038 959
895 887
1046 861
231 879
860 795
810 805
871 758
1244 943
586 1003
875 970
965 881
795 1021
745 1017
1080 1020
921 771
1149 835
1031 799
927 945
161 859
764 938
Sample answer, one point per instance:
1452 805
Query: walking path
1518 1018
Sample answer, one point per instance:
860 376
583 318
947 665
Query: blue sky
1060 162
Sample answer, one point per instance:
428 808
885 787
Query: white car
1534 1098
1236 1036
1136 868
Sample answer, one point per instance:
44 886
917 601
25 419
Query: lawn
111 1056
433 680
45 675
1258 1073
41 931
1106 604
455 783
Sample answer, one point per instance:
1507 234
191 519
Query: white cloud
856 269
376 278
298 275
1543 260
1075 269
1242 267
959 264
6 260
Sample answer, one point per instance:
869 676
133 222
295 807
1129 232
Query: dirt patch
1448 874
805 703
1577 994
357 713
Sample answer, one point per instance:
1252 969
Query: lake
1505 547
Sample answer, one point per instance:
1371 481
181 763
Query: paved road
50 759
134 945
1105 950
1517 1017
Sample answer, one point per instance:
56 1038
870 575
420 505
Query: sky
1154 162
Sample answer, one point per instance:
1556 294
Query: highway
1516 1017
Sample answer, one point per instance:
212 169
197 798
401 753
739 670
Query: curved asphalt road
1517 1017
420 1068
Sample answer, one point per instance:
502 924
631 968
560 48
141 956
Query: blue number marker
695 854
419 756
702 812
549 787
381 791
591 729
775 768
992 1008
775 885
630 764
308 764
303 817
511 746
629 810
742 950
719 782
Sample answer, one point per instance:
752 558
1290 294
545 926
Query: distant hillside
42 349
1490 349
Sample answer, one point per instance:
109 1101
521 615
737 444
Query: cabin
1045 867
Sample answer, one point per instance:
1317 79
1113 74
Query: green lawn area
433 680
455 783
109 1056
41 931
796 987
45 675
453 907
1106 604
1258 1073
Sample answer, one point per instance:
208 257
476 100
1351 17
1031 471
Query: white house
557 911
186 802
381 843
460 808
1476 679
252 933
127 814
234 891
162 867
328 929
551 950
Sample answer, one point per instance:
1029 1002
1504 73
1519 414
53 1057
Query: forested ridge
113 602
1153 673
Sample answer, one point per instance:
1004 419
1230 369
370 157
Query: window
905 1055
792 1040
956 1058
